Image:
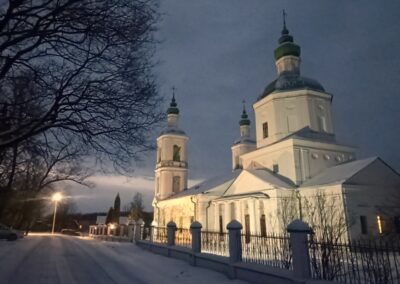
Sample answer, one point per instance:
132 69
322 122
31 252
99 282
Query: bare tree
136 207
76 83
90 65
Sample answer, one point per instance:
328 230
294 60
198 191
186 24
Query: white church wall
166 145
246 182
371 201
237 151
279 154
321 118
179 210
165 178
323 208
287 112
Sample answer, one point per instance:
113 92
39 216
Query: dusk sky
218 53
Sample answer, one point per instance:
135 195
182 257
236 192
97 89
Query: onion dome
291 81
286 45
173 106
244 118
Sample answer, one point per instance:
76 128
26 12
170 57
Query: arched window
176 183
176 153
263 226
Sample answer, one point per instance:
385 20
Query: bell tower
171 164
244 144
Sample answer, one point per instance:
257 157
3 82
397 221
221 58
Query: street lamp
56 198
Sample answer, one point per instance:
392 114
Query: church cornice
169 164
291 94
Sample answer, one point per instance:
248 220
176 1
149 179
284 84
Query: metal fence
159 234
375 262
215 243
272 250
183 238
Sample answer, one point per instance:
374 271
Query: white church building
295 168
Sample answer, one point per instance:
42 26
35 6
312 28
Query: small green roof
244 118
173 106
286 45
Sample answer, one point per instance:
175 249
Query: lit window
364 225
381 224
265 129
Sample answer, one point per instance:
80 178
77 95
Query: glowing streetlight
56 198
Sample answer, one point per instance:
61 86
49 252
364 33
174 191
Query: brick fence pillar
195 229
299 232
171 229
235 242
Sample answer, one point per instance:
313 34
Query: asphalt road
44 258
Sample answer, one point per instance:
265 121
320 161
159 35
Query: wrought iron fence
375 262
159 235
183 238
272 250
146 233
215 243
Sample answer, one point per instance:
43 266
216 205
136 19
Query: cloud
101 197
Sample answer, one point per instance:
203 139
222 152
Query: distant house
101 220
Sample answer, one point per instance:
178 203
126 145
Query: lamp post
56 198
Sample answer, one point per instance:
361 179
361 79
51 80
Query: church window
381 224
158 185
364 225
159 155
275 168
176 153
397 224
265 130
322 123
263 226
221 225
247 228
176 180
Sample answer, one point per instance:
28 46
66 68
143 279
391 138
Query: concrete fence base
253 273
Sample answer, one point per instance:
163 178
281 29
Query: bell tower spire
171 165
243 144
287 54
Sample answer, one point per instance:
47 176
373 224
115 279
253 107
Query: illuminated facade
295 168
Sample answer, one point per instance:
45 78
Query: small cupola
287 54
173 112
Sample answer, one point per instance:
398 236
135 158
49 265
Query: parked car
70 232
7 233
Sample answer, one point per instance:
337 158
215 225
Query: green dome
245 118
286 45
173 107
